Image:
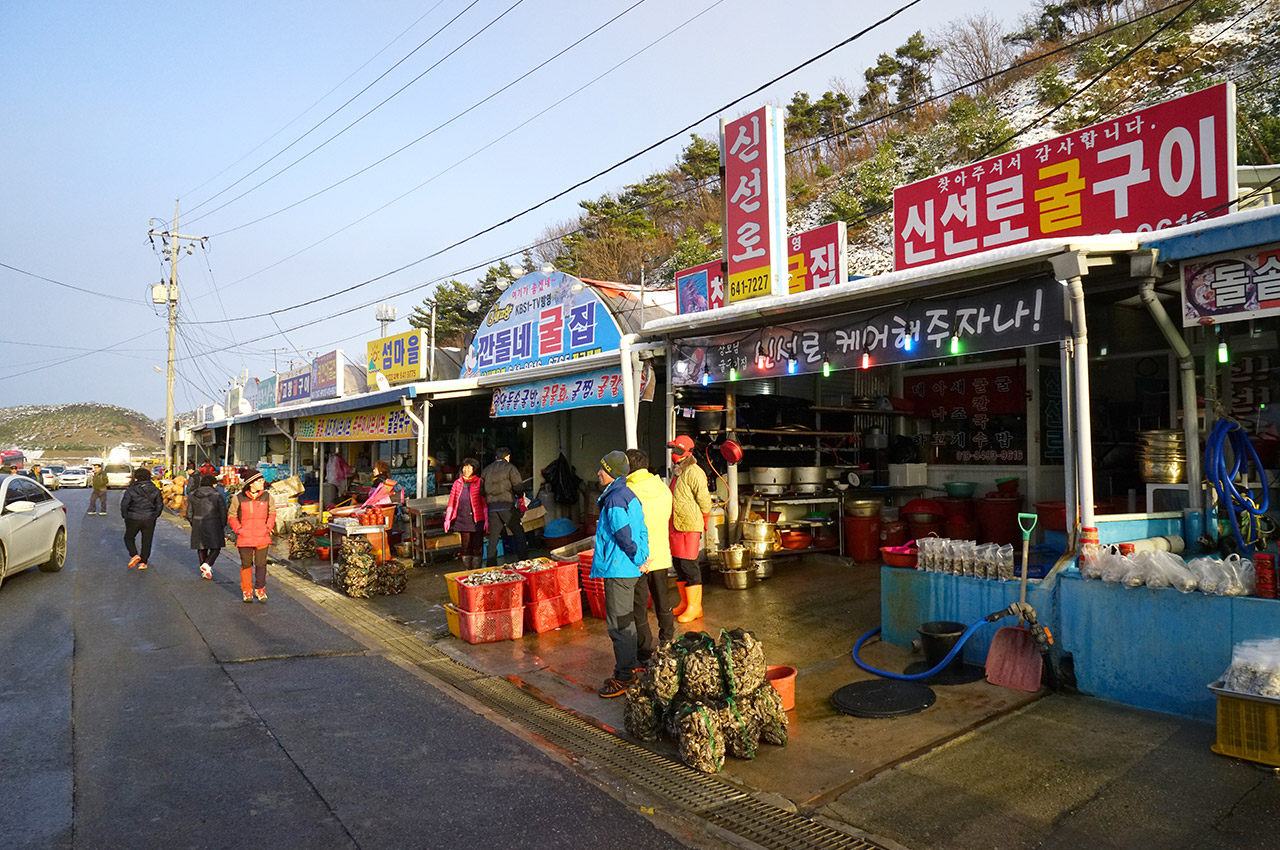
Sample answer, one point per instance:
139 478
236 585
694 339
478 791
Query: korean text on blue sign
586 389
541 319
295 385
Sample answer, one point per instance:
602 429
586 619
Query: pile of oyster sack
302 540
711 697
359 574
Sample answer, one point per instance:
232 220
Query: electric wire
320 100
75 357
80 289
598 174
479 150
431 68
428 40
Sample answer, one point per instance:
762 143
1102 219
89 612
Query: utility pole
172 240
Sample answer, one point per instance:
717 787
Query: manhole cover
882 698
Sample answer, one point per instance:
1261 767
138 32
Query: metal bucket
758 531
762 567
739 579
732 558
759 548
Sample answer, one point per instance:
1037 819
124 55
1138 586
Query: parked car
33 527
74 476
49 475
118 475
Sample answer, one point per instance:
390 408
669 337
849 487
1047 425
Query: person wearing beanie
621 557
503 485
140 506
690 510
655 501
252 518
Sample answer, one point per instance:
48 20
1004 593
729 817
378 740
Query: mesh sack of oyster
741 730
642 715
765 705
701 741
302 540
742 661
699 667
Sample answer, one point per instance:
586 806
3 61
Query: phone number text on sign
1170 164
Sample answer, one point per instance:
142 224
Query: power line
330 115
106 295
76 356
479 150
437 64
535 69
593 177
320 100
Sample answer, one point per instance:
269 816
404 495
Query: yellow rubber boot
684 598
694 609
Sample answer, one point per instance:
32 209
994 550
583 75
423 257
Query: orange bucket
783 679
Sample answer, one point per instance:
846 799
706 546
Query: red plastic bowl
900 556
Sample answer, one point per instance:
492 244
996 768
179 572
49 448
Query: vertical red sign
755 205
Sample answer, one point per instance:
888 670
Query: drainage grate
700 794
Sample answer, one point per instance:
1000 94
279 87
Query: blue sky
114 110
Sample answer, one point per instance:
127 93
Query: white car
33 527
74 476
118 475
49 475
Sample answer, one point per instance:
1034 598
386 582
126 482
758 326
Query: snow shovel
1014 660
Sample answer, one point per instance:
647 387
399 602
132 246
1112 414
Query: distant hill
88 428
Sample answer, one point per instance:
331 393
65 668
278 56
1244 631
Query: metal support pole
1068 440
630 398
431 361
731 433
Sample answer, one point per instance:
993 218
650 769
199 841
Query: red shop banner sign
817 258
755 231
977 416
1167 165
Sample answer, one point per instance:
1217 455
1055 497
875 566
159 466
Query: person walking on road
207 513
468 513
140 506
655 501
98 481
502 483
621 557
691 508
252 518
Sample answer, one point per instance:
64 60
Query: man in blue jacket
621 558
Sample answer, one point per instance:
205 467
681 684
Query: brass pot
863 507
739 579
759 531
762 567
759 548
732 558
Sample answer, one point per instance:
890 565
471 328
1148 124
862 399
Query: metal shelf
858 411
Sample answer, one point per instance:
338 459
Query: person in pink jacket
468 514
252 518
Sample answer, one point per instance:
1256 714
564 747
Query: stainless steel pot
769 489
759 548
863 507
807 489
775 475
762 567
732 558
808 475
739 579
759 531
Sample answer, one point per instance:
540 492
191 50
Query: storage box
595 600
908 474
451 613
546 584
451 581
1248 726
491 597
548 614
443 541
490 626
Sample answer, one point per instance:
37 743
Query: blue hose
914 677
1222 479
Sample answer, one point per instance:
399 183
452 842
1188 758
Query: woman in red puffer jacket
252 518
468 513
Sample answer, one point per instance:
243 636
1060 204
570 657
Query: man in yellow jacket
655 501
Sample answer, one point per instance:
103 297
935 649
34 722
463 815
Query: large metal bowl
739 579
732 558
759 531
762 567
759 548
863 507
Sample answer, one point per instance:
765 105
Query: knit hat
682 444
254 477
615 463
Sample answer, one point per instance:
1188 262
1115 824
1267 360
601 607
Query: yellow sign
383 423
399 358
750 284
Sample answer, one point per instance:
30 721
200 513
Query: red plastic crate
492 597
593 585
595 602
545 615
551 583
490 626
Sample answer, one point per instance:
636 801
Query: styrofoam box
908 474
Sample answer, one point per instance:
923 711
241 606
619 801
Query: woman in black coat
140 506
207 513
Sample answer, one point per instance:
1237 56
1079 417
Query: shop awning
1230 233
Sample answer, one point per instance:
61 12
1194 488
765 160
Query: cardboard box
444 541
908 474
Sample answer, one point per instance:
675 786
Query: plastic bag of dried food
1239 577
1140 564
765 703
1165 569
1091 568
1004 563
700 739
741 729
642 715
1255 668
742 658
1113 567
699 667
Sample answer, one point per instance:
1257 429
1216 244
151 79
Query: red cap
683 443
